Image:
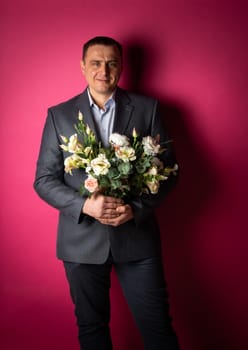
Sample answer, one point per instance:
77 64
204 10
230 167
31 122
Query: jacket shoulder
135 98
68 104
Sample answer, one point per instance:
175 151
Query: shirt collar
107 104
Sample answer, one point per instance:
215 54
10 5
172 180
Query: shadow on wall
197 317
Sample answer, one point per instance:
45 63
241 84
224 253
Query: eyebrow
100 60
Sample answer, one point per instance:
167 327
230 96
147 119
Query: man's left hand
125 214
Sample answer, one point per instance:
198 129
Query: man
98 232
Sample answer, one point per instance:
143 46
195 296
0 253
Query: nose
105 68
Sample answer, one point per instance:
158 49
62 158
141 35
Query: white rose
119 140
100 165
126 154
151 146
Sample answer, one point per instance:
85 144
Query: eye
96 63
113 64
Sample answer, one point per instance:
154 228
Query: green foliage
126 168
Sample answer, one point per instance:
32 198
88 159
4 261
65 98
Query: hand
102 207
125 213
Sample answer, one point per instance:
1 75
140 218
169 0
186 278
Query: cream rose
151 146
126 154
118 140
100 165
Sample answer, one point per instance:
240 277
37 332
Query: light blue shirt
104 118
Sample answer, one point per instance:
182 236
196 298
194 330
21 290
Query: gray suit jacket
81 238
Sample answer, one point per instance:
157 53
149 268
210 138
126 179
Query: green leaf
113 173
124 168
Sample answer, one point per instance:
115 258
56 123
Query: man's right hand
102 207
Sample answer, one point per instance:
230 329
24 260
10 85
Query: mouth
103 80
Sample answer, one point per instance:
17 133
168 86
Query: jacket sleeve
49 178
143 206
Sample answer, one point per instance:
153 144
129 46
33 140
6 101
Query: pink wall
194 58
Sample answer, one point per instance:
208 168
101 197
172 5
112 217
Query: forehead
103 52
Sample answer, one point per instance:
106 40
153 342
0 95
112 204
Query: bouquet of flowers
126 168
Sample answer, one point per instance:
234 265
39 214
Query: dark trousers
144 288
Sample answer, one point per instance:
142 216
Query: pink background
193 56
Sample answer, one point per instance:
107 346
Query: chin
105 90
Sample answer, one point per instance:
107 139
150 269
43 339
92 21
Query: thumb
121 209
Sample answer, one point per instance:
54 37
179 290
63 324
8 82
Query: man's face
101 68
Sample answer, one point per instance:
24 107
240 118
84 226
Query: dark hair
101 40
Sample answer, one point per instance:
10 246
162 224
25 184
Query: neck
100 99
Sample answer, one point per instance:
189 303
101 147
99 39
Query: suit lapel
84 107
123 112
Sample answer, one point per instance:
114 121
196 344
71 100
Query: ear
82 66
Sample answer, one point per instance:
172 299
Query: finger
111 221
111 205
113 200
121 209
109 213
107 221
109 216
